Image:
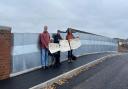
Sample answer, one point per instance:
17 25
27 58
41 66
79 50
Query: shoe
59 63
45 67
69 61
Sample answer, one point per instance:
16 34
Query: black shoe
55 66
45 67
69 61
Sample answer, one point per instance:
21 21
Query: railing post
5 52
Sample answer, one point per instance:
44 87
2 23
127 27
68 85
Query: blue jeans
44 57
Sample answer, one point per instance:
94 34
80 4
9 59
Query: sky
103 17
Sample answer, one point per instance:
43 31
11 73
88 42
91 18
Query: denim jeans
44 57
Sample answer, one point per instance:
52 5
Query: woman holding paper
69 37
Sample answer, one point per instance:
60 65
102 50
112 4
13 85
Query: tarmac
36 77
110 74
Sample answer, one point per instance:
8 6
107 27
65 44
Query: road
110 74
33 78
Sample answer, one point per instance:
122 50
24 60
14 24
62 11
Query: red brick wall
5 53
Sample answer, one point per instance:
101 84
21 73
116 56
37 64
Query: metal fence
26 53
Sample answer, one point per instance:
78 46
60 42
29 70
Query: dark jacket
57 38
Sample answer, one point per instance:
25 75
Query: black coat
56 38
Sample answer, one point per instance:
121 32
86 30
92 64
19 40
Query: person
69 36
45 40
56 38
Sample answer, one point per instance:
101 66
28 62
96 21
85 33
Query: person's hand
51 41
47 47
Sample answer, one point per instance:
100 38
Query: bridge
20 59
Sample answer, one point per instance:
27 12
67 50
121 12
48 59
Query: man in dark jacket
56 38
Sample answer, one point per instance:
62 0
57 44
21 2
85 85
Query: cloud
104 17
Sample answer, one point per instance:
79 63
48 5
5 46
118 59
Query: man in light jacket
45 40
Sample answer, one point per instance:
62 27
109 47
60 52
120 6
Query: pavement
36 77
110 74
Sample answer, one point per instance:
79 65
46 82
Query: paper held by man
54 47
64 46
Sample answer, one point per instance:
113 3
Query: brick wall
5 52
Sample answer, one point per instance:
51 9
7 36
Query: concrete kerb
72 72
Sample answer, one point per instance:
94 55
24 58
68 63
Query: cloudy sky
104 17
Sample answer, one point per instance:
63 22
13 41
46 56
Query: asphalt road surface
30 79
110 74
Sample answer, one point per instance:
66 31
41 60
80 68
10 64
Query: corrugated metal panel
30 56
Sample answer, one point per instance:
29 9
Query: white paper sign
75 43
64 45
54 47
